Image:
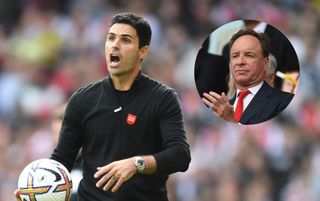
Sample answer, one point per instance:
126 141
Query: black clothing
148 122
210 71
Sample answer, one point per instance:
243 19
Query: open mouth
114 58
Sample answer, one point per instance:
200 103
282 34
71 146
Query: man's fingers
219 105
211 106
224 97
215 95
209 97
208 103
102 170
118 184
115 174
215 100
110 183
105 178
220 99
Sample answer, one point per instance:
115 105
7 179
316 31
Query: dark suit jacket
266 104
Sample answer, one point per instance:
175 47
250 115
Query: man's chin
115 72
242 81
247 83
120 74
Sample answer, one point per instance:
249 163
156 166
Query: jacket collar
135 84
257 103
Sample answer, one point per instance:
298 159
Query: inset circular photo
246 72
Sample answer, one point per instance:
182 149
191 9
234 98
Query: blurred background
48 49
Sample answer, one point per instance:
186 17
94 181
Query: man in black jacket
129 126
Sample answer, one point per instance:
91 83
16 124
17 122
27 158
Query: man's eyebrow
250 52
122 35
126 35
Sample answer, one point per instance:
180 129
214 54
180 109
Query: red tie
239 107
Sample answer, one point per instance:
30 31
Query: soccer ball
45 180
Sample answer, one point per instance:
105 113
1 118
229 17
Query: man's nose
240 60
115 44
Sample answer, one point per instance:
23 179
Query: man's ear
143 52
266 63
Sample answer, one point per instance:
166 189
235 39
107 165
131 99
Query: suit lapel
257 103
231 101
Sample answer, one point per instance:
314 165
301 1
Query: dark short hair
138 23
263 38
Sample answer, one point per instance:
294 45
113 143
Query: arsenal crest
131 119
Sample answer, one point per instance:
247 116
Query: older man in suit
255 100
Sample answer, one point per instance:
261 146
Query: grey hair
272 65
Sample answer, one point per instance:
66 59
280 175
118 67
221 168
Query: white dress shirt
249 97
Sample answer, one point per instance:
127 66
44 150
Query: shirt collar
253 89
136 82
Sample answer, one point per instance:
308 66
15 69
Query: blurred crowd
48 49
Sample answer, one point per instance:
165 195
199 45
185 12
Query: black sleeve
176 152
69 141
210 71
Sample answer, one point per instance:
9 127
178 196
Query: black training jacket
146 121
